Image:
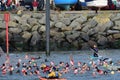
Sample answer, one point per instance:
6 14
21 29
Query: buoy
112 72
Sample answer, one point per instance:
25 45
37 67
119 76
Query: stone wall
68 31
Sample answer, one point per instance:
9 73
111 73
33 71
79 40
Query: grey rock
75 43
84 36
116 27
74 24
92 32
15 30
42 29
66 21
116 36
35 28
37 15
54 17
104 27
81 20
12 24
102 40
85 46
60 25
35 38
117 23
91 24
115 17
67 28
26 35
73 36
67 33
74 16
2 25
26 27
3 34
1 51
1 17
112 31
53 32
59 36
78 28
26 16
42 20
32 21
52 24
17 18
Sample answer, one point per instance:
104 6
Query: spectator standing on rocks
3 6
35 5
22 3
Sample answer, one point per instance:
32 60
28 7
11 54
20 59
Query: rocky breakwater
68 31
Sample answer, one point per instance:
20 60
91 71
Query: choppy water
64 56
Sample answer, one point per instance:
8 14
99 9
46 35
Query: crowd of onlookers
39 5
14 4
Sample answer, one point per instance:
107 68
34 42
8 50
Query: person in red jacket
35 5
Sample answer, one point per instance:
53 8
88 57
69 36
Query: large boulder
84 36
26 35
35 28
60 25
81 20
73 36
91 24
102 40
1 51
42 20
59 36
54 17
115 17
42 29
15 30
66 21
116 36
1 17
2 25
26 27
74 24
35 38
24 18
104 27
32 21
112 31
37 15
85 46
117 23
74 16
66 28
13 24
116 28
92 32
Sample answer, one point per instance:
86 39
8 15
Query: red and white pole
7 19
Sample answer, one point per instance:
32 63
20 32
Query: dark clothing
95 55
78 6
95 50
22 3
3 8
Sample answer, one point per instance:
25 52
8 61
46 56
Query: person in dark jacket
78 5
